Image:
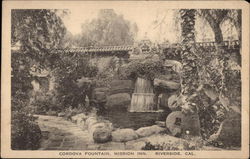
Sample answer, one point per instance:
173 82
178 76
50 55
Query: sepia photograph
127 79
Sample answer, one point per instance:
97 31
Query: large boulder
166 84
79 117
150 130
124 135
174 103
120 100
175 65
100 131
121 86
99 125
160 123
102 135
100 94
61 114
101 97
90 121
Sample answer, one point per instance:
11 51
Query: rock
80 122
150 130
120 100
166 84
100 94
100 97
61 114
79 117
108 123
101 89
173 103
175 65
124 135
95 126
166 76
100 131
135 144
90 121
173 123
121 86
230 132
160 123
52 113
102 135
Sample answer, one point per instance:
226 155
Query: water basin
134 120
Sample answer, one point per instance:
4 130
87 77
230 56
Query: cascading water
143 97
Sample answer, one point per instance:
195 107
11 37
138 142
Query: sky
146 16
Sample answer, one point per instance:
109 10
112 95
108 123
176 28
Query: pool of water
135 120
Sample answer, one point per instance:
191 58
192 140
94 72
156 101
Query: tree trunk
217 33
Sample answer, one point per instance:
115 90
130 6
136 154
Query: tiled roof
96 49
205 44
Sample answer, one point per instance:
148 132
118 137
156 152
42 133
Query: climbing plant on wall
189 76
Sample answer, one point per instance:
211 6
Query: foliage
148 69
189 75
42 103
216 17
25 133
35 32
73 67
107 29
192 144
224 85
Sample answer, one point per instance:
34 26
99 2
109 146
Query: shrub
43 102
191 144
148 69
71 69
25 132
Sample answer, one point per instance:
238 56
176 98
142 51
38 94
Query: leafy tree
74 79
107 29
35 32
216 17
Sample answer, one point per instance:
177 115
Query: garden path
60 134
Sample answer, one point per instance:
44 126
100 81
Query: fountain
143 97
